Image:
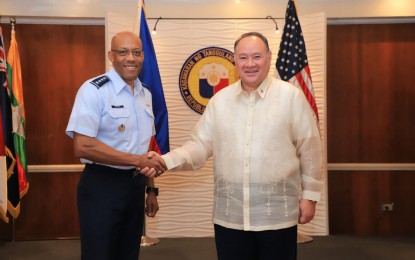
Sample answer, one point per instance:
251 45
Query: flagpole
301 238
145 240
13 23
13 230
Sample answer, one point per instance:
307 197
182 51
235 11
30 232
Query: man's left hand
307 211
152 205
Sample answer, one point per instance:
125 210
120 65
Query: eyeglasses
135 52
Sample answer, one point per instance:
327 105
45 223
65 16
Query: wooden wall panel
55 60
49 210
370 106
355 198
370 93
402 192
343 108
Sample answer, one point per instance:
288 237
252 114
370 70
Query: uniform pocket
120 117
150 115
150 112
119 113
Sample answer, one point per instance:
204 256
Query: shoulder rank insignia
100 81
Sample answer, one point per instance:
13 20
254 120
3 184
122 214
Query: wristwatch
152 189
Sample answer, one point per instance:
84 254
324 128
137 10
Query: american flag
292 63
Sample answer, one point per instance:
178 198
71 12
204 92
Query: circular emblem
204 73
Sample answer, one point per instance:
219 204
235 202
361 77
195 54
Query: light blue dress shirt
105 108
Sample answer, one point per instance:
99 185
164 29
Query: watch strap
152 189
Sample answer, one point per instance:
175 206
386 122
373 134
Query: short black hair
259 35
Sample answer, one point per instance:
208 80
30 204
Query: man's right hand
152 165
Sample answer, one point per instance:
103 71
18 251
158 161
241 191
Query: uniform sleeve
86 112
308 144
194 153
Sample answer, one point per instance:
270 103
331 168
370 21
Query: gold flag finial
13 22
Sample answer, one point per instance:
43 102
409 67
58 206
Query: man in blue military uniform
111 124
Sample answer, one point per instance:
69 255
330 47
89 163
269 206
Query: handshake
151 165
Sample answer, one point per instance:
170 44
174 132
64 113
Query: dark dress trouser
111 211
233 244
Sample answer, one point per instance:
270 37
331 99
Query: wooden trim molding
371 166
56 168
330 167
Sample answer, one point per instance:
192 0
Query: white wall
36 9
186 198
